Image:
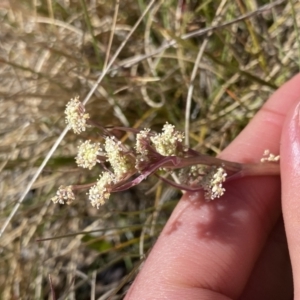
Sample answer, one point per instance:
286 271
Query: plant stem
259 169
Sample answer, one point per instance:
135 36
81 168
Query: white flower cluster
64 194
166 142
212 183
87 154
101 190
116 157
76 116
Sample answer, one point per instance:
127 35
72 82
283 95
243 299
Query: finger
290 174
208 250
271 277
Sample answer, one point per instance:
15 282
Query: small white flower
76 116
87 154
166 143
212 183
101 190
64 194
268 156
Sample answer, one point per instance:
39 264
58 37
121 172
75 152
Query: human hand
237 247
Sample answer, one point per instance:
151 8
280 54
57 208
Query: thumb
290 177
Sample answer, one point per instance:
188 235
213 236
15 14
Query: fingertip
290 157
290 178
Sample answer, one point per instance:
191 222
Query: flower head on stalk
100 192
75 115
121 163
87 154
169 142
212 183
64 195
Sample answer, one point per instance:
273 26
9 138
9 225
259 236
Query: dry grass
208 85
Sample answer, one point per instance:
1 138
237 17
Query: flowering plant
159 154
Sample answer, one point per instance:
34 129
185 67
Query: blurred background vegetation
209 85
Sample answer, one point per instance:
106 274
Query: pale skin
245 245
